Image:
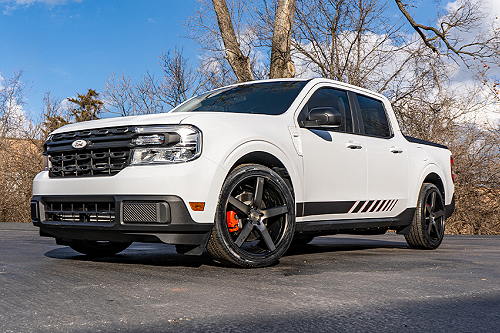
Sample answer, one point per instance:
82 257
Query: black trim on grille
99 152
106 152
93 212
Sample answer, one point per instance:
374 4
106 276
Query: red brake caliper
232 221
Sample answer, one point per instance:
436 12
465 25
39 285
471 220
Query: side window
329 97
374 118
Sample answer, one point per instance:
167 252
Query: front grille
98 212
106 152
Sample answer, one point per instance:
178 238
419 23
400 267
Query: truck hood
150 119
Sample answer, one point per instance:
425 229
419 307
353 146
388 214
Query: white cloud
11 5
16 122
495 7
30 2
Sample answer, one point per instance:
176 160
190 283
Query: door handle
353 145
396 150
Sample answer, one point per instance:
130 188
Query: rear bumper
449 209
170 221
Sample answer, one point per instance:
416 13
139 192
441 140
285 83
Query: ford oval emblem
79 144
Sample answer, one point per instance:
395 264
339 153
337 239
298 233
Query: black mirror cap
323 117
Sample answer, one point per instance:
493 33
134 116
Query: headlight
171 144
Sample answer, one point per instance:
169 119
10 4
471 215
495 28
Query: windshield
271 98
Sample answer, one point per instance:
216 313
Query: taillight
452 165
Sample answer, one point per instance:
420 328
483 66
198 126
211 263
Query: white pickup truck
244 171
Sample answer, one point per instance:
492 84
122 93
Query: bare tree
238 61
268 24
353 42
145 97
20 157
155 95
238 36
281 60
129 99
118 94
180 82
53 115
459 32
13 91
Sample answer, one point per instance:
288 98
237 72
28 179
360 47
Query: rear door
387 161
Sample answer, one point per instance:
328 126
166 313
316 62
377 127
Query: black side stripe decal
299 210
375 206
381 205
328 207
394 204
368 205
344 207
358 207
386 205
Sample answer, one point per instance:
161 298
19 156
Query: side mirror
323 117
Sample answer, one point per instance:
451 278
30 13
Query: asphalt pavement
339 283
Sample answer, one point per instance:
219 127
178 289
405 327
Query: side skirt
357 226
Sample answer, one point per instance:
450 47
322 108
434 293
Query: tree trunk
238 61
281 62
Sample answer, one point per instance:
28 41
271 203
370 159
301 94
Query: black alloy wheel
255 220
428 224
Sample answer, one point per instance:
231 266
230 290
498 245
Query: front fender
292 162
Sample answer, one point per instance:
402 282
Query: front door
335 163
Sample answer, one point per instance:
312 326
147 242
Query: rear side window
337 99
374 118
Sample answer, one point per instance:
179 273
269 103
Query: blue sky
68 46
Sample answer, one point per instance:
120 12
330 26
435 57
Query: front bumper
126 220
196 181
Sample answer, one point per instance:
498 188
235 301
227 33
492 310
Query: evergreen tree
87 107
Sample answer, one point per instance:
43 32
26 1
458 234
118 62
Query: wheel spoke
245 232
429 226
239 205
428 209
433 201
275 211
439 214
436 228
259 189
265 235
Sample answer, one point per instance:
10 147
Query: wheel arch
434 175
267 154
434 178
268 160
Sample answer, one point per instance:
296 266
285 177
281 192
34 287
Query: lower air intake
146 212
85 212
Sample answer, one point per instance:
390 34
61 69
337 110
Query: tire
427 230
255 218
98 248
